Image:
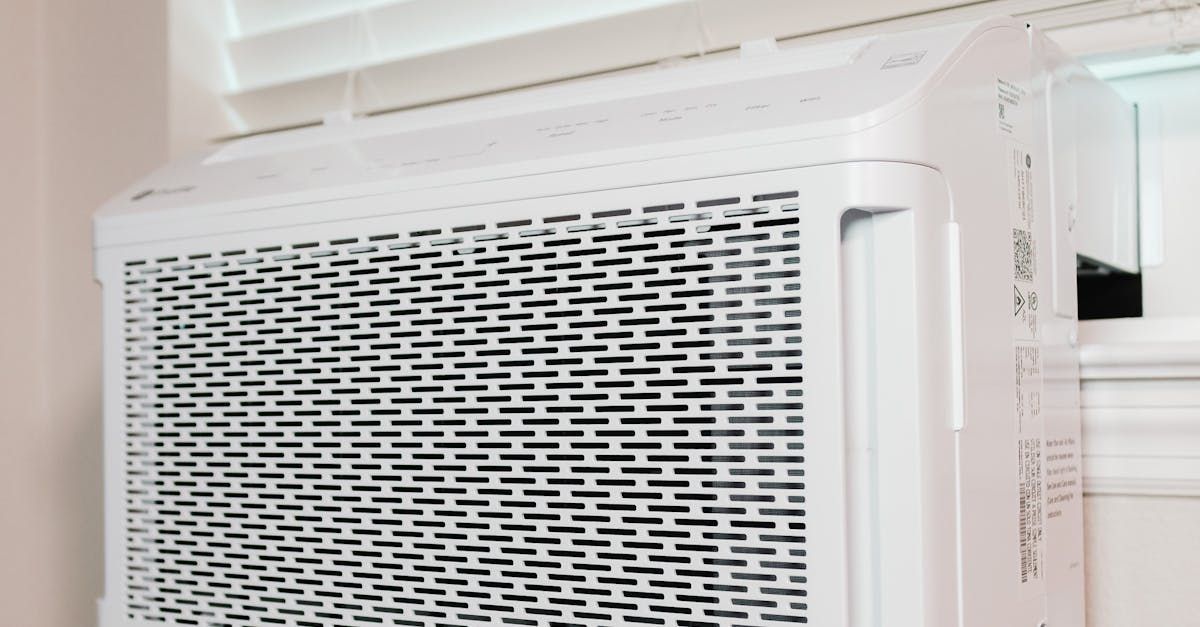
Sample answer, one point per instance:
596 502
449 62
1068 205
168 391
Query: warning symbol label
1025 319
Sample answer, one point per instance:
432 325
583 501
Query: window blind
281 63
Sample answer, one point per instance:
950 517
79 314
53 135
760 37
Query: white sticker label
1026 301
1010 107
1028 359
1027 354
1031 514
1062 475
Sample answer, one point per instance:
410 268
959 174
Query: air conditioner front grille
586 420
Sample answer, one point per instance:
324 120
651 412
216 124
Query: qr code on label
1022 255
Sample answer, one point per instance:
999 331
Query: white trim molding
1140 382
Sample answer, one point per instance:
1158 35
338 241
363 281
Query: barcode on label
1022 255
1029 453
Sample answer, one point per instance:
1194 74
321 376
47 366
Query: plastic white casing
940 393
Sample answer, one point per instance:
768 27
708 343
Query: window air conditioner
771 340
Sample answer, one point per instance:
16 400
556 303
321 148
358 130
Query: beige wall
1144 561
23 579
82 113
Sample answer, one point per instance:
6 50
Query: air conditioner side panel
109 606
1021 559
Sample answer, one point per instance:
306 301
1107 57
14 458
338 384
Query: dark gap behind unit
1105 293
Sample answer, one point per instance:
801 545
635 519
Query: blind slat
255 17
289 62
388 32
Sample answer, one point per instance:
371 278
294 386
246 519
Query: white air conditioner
774 340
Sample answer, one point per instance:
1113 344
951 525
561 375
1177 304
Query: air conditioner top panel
707 106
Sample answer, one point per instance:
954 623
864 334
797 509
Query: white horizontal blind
280 43
279 63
